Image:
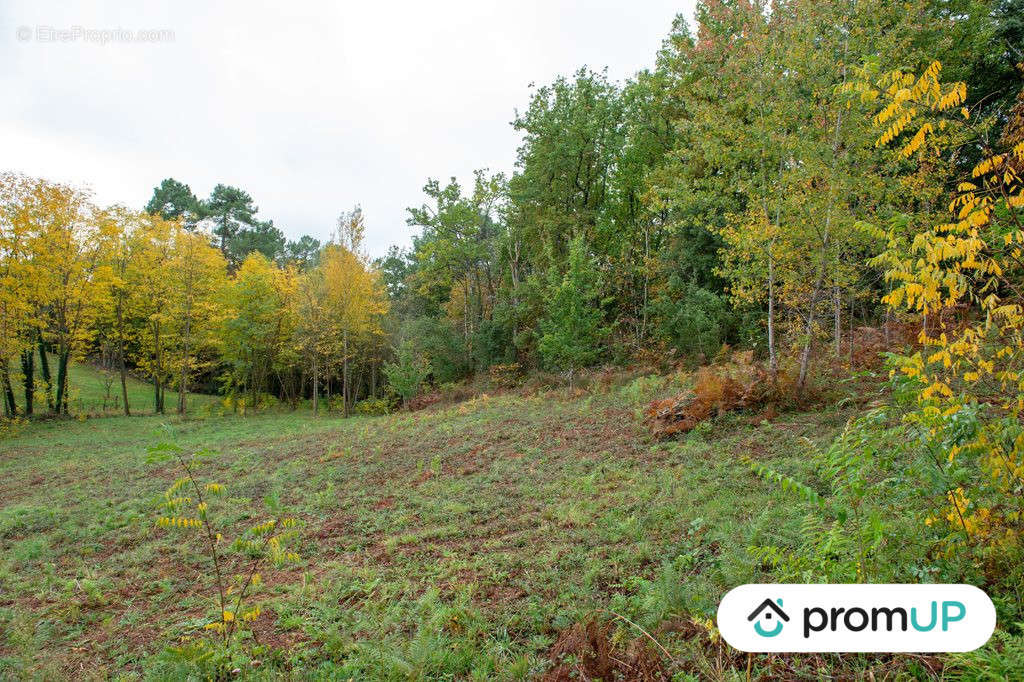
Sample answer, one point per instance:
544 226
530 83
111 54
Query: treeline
161 294
722 196
712 199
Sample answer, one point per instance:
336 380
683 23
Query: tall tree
354 298
231 210
198 273
174 200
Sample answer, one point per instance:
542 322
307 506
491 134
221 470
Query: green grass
92 391
455 542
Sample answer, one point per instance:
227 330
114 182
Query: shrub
506 376
407 373
734 385
234 564
572 331
372 407
441 345
691 319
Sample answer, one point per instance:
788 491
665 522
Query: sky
311 107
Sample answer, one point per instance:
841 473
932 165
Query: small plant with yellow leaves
185 506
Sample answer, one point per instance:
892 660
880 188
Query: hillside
457 542
94 390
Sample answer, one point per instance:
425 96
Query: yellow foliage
965 265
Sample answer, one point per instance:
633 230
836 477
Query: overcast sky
310 107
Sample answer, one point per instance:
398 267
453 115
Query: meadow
458 541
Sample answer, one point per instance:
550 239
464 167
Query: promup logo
894 618
767 610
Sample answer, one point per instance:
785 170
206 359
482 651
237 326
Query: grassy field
457 542
95 391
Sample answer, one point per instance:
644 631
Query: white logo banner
863 618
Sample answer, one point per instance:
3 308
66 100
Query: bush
735 385
506 376
407 373
372 407
441 345
693 320
493 340
573 331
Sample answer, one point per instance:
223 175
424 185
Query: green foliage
1002 658
174 200
692 319
407 374
439 342
854 524
572 330
231 209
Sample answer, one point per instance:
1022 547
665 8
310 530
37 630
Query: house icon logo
767 612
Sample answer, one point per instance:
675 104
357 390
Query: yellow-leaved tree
198 273
69 238
966 277
22 288
355 299
257 327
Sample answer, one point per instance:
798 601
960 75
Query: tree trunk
44 368
61 402
28 369
185 361
837 311
10 407
773 359
344 374
316 388
120 360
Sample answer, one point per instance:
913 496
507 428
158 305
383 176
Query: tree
315 331
257 325
71 265
303 253
198 273
354 298
262 237
407 373
967 377
114 321
23 286
173 200
231 210
572 331
152 289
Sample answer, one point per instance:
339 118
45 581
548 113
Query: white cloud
310 108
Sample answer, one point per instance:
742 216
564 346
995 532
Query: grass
456 542
93 391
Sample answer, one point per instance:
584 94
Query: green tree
262 237
407 374
231 210
572 331
174 200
